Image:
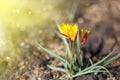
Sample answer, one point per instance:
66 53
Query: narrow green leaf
103 71
51 53
78 50
110 60
58 69
65 42
82 73
91 62
73 10
66 65
66 46
105 58
78 43
59 79
90 71
101 61
100 68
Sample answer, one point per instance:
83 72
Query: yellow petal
69 31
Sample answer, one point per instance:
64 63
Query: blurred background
24 21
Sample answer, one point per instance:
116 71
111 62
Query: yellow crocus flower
69 31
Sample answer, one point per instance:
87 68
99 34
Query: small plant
73 60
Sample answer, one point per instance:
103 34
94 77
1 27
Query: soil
103 20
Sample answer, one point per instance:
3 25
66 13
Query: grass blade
51 53
101 61
65 42
58 69
78 50
110 60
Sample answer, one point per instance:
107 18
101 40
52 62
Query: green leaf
101 61
78 50
66 65
73 10
110 60
58 69
95 70
101 68
91 62
81 73
105 58
65 42
78 44
59 79
51 53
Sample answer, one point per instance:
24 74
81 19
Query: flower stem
70 58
